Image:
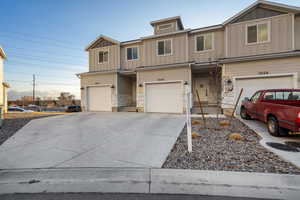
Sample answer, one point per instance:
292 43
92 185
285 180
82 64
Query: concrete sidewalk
261 129
155 181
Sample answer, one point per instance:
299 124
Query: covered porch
206 79
127 91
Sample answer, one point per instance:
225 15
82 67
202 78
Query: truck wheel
244 114
273 126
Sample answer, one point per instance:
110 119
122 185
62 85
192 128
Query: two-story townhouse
3 86
257 48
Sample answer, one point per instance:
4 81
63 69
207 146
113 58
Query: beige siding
286 65
272 66
99 79
113 60
175 74
172 29
217 52
281 37
2 89
179 55
131 64
297 32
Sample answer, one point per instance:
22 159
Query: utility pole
33 88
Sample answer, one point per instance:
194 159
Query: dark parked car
73 109
279 108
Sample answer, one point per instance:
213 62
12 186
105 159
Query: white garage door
99 98
164 97
251 85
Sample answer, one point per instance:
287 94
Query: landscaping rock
213 150
235 136
195 135
224 123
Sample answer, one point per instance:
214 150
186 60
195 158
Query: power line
42 75
41 43
52 67
55 56
44 37
39 59
44 83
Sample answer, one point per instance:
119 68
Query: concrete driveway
261 129
93 140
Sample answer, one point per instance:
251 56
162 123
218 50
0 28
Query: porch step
127 109
207 110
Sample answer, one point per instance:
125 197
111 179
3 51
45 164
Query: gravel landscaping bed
214 150
12 124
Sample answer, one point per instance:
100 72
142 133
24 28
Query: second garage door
99 98
164 97
251 85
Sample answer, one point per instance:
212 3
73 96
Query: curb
145 180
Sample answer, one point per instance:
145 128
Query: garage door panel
164 98
99 98
251 85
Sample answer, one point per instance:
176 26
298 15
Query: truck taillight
298 118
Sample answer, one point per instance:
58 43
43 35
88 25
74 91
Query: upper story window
103 56
204 42
132 53
258 33
164 47
165 26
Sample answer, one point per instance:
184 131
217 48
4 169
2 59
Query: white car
18 109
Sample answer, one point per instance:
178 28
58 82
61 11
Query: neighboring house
258 48
3 86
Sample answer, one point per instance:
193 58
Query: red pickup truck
279 108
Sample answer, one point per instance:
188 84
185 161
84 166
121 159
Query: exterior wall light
82 88
140 85
112 86
185 83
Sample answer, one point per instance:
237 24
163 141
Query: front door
202 85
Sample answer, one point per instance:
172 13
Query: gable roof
287 8
2 53
101 37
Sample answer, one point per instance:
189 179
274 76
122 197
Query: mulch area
12 123
213 149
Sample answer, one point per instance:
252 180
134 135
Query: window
258 33
132 53
255 97
164 26
103 56
269 96
164 47
295 96
204 42
279 95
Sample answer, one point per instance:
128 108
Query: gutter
176 65
260 57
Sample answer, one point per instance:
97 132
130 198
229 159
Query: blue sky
48 37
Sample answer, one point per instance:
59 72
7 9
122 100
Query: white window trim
256 24
213 43
138 53
169 54
107 56
160 29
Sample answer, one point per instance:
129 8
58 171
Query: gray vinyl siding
297 32
281 37
113 58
